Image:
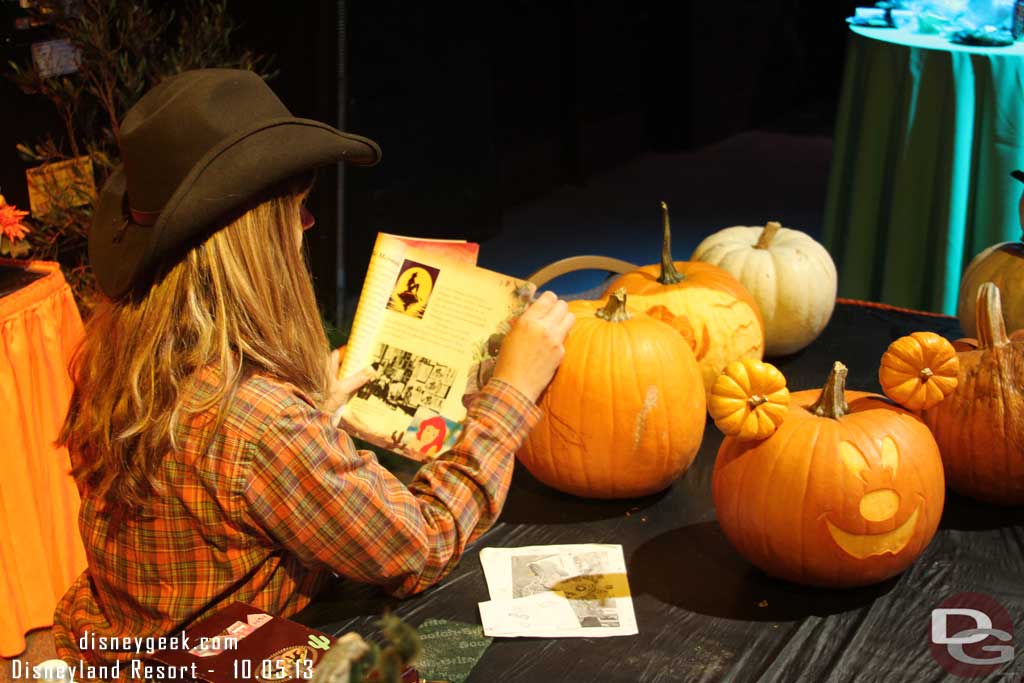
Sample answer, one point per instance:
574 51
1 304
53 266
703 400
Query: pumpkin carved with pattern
848 490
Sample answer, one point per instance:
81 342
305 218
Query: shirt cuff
505 409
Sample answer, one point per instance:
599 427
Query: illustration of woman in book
412 289
430 437
409 296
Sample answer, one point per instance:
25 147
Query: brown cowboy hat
196 149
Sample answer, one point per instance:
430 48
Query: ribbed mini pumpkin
919 370
715 303
848 491
980 426
624 415
749 400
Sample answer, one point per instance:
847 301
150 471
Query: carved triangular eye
890 455
857 462
853 459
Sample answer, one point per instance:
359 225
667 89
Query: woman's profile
410 296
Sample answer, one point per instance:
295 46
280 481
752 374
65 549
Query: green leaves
125 48
10 249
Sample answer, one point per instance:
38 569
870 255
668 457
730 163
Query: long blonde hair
242 301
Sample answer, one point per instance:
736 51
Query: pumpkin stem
991 326
767 235
926 374
756 400
832 401
669 275
615 310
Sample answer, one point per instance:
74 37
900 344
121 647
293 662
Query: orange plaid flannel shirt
278 501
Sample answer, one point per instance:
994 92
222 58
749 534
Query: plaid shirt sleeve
313 493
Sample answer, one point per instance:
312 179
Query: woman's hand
340 390
533 349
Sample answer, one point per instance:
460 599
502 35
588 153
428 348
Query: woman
200 426
431 435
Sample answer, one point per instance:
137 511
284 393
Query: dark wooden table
703 612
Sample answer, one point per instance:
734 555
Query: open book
430 323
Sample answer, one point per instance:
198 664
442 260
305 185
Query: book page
439 326
385 260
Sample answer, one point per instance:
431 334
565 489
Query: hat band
146 218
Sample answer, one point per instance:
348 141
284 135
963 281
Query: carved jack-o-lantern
880 503
847 492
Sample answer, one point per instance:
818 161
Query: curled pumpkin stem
991 324
669 275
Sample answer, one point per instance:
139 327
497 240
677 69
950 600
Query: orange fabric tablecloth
41 549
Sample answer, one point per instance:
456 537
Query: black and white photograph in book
407 381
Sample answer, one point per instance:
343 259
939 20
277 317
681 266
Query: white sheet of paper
538 615
592 576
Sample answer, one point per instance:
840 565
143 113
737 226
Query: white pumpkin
791 277
1002 264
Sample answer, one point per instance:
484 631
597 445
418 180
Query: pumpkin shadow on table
965 514
531 502
711 578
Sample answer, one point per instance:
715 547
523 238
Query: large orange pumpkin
980 426
624 414
717 306
848 491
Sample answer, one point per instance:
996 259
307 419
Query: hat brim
224 181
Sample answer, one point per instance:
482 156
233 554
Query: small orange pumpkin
713 301
980 426
624 415
919 370
749 400
848 491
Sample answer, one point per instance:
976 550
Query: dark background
482 106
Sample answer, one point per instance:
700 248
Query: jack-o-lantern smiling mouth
877 505
863 546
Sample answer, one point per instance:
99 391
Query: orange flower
11 226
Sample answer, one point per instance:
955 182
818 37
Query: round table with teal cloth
926 137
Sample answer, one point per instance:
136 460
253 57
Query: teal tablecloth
926 137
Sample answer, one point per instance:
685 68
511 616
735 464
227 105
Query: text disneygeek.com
136 669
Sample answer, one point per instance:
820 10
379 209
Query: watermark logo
971 635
